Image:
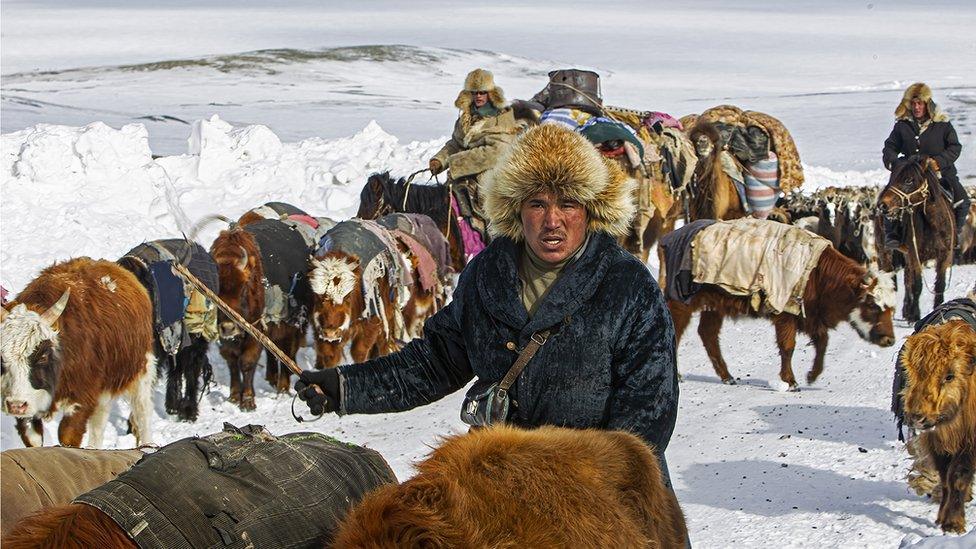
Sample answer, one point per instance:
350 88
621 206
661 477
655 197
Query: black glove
319 389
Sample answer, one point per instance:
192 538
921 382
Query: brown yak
506 487
77 337
246 285
837 290
364 291
940 402
338 316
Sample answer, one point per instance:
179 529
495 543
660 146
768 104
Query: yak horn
242 264
51 315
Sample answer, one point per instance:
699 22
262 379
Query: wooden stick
240 321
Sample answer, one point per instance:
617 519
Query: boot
961 210
892 236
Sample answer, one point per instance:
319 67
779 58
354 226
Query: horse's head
912 183
374 199
939 367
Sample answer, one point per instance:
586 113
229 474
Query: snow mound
97 191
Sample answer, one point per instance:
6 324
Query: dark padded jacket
610 364
939 141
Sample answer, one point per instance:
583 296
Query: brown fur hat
480 80
922 91
558 160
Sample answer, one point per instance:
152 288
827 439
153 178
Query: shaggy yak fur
940 401
73 526
914 198
713 193
505 487
338 309
241 273
78 361
838 290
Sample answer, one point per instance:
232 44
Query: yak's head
872 318
30 358
333 279
239 269
939 364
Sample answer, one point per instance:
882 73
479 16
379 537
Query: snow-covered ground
93 89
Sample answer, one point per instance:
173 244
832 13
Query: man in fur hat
485 128
922 128
556 208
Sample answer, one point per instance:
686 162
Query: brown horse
713 193
914 199
383 195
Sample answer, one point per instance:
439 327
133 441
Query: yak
508 487
940 401
78 336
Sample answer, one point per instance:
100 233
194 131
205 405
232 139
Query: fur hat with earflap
480 80
921 91
551 158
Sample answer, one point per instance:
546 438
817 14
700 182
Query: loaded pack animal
383 195
184 321
914 199
662 173
37 478
746 159
77 337
237 488
939 401
263 275
359 283
427 254
713 194
749 268
548 487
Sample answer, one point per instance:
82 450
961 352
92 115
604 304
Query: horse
383 195
914 198
713 192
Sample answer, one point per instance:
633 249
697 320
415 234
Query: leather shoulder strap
537 340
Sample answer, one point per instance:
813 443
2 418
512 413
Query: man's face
918 108
553 227
480 98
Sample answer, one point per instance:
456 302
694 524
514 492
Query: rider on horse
485 129
923 129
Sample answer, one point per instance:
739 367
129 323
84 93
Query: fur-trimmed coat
477 142
938 140
610 363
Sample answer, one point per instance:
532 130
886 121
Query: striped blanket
762 185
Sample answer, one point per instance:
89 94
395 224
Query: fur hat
480 80
558 160
921 91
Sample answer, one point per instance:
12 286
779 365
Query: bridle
907 203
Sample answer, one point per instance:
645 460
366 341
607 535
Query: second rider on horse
922 129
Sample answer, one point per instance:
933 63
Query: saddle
241 487
284 256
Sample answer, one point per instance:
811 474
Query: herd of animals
367 284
